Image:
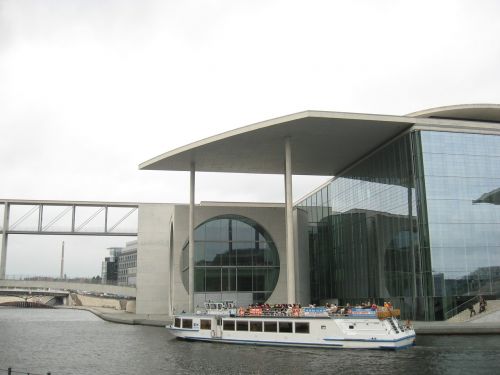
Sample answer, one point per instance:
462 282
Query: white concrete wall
270 217
153 259
91 301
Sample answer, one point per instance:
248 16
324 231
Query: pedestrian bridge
126 291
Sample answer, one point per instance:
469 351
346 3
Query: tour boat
353 328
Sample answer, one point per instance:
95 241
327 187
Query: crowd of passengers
286 309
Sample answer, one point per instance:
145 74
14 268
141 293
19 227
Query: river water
77 342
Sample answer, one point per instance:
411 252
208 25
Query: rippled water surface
77 342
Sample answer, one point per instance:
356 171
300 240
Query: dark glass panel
244 232
199 279
228 279
259 279
199 254
213 279
242 325
228 325
217 253
256 326
270 326
286 327
244 251
205 324
244 279
301 327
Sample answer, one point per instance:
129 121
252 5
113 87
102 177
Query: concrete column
3 256
191 237
290 253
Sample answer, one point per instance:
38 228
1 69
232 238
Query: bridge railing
80 280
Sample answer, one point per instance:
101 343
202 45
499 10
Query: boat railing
317 312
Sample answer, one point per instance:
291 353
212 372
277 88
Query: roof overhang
464 112
323 143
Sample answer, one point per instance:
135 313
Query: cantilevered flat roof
323 143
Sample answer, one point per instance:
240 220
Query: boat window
256 326
242 325
301 327
351 327
205 324
187 323
270 326
177 323
228 325
286 327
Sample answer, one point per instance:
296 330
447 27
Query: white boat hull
335 333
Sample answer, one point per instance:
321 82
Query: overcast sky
90 89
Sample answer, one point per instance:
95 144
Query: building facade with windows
411 214
127 264
109 273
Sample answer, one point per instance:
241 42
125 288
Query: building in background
109 273
127 264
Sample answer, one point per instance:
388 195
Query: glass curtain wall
235 258
462 183
364 233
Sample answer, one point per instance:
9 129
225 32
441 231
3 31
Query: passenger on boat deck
374 307
333 308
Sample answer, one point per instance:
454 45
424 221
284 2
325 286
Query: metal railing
80 280
10 371
463 306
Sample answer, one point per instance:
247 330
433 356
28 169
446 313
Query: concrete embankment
445 328
123 317
421 328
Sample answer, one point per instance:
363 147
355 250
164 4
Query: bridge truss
65 218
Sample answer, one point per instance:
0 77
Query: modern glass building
411 213
414 223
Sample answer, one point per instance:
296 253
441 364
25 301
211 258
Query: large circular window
234 259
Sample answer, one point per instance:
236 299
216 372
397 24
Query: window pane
286 327
242 325
213 279
244 279
244 252
205 324
255 326
270 326
228 279
216 253
199 279
301 327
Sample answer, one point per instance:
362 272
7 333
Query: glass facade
415 223
235 258
364 234
462 181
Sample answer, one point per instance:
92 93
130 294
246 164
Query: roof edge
274 121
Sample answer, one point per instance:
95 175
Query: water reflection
76 342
